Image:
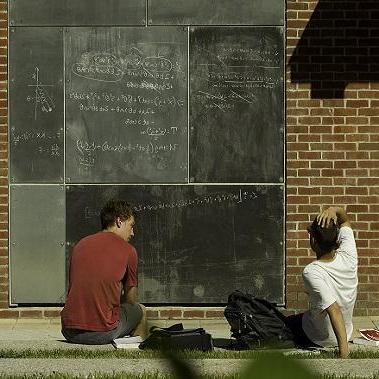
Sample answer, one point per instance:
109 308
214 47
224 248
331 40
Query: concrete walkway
41 334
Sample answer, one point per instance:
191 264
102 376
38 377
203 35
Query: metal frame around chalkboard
66 184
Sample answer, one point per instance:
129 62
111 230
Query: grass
151 354
148 376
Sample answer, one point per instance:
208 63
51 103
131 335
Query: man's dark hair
113 209
326 237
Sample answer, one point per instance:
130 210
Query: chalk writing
42 100
159 132
105 67
33 135
135 107
238 196
34 138
224 101
130 123
87 149
53 151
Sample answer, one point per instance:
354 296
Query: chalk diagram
41 98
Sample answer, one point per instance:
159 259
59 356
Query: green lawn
260 365
139 354
147 376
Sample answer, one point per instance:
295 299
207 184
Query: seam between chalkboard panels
147 14
166 184
188 105
64 32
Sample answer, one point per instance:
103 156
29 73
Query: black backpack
256 323
176 338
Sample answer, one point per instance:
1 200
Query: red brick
348 146
321 181
194 314
31 313
51 314
356 190
7 313
368 181
152 314
170 313
369 146
333 155
345 164
331 173
214 314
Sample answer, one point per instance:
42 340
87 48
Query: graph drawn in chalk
41 98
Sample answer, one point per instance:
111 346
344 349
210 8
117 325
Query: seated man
103 265
331 282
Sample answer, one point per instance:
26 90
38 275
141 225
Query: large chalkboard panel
216 12
236 104
195 243
36 105
126 105
77 12
37 248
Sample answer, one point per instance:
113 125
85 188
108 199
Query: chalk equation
127 98
106 67
88 151
237 196
223 101
43 142
30 135
41 98
159 132
258 55
150 148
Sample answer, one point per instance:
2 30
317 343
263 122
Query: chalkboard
36 105
236 105
219 12
126 105
77 12
37 248
195 243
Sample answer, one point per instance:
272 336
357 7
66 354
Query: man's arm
338 325
338 215
130 295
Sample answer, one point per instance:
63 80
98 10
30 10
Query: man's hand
129 296
339 328
338 215
326 216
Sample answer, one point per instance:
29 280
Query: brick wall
332 133
332 144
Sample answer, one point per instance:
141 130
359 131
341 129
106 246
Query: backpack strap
172 328
175 330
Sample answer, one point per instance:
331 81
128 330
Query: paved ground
40 334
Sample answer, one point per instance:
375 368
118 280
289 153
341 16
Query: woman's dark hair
113 209
326 237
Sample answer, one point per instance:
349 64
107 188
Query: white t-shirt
329 282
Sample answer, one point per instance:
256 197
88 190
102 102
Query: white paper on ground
363 341
127 342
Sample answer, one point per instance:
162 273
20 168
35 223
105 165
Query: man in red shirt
101 303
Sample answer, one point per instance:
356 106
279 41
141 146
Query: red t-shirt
100 265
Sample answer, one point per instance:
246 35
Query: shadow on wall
339 46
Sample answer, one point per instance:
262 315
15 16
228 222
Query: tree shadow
339 46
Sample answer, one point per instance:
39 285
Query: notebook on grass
370 337
127 342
